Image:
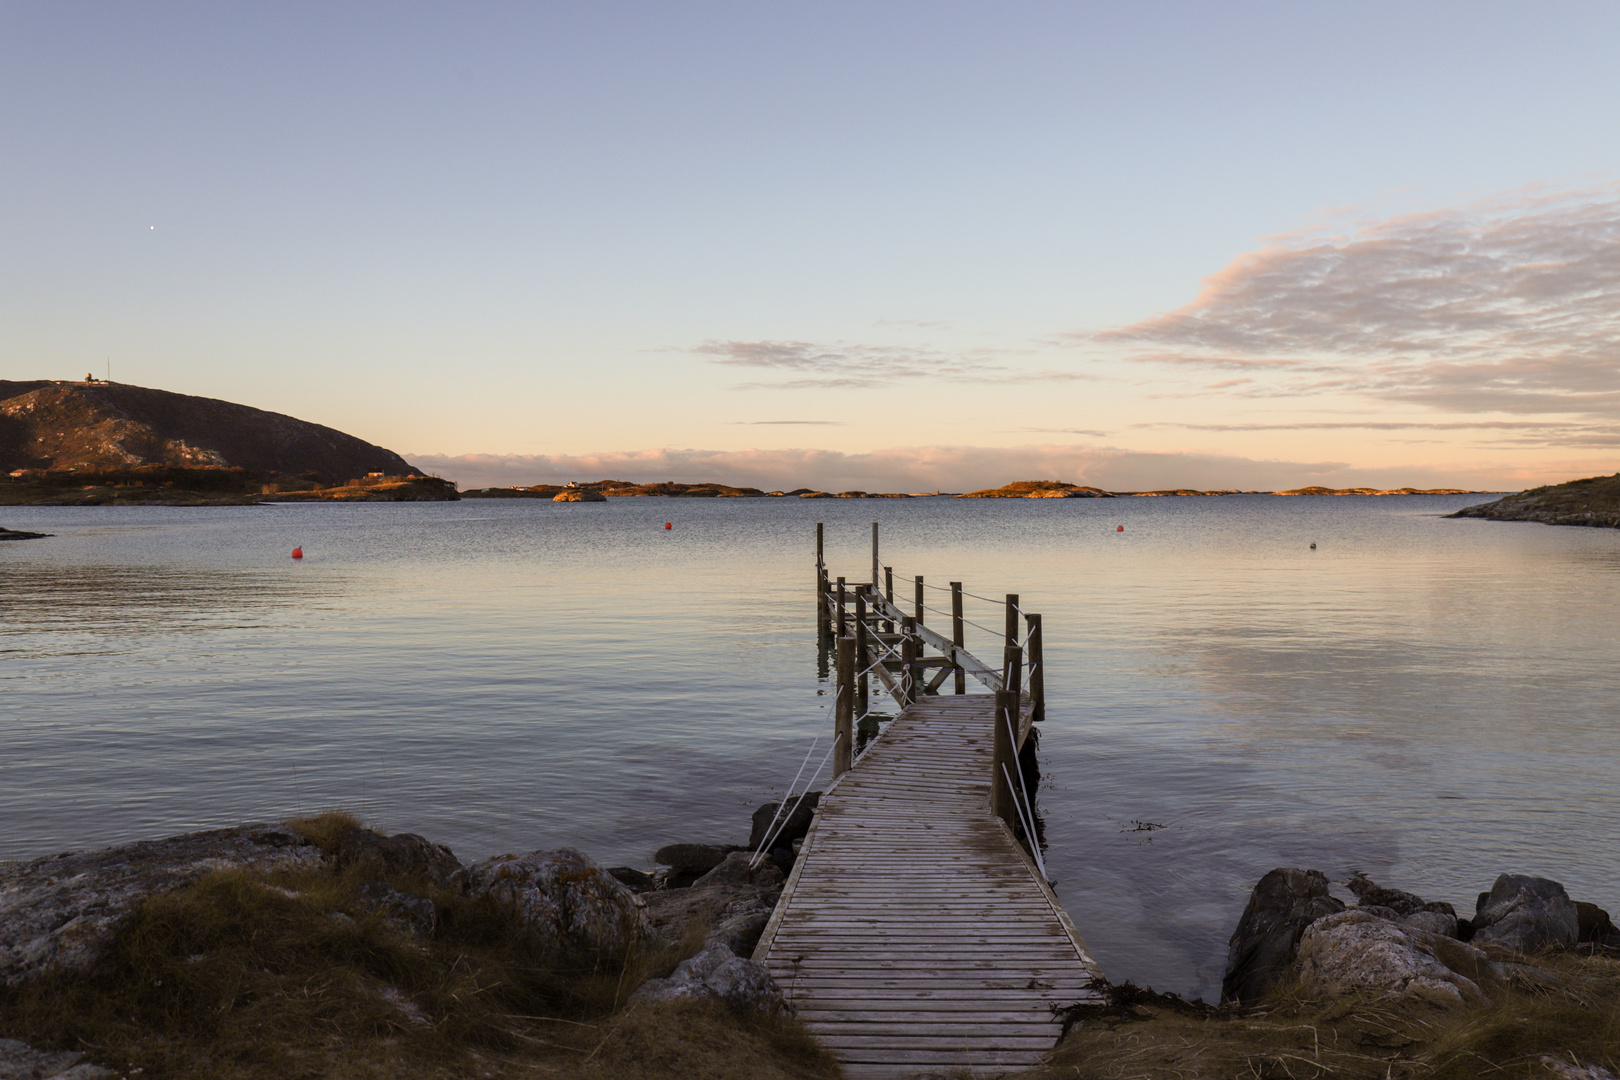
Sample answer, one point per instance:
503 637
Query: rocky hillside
1594 501
101 426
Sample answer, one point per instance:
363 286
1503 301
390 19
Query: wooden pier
916 934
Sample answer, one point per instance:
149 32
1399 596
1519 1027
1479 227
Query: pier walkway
916 933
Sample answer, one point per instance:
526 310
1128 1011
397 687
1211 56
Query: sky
885 246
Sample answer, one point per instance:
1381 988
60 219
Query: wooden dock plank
914 933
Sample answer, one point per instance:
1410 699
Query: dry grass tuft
325 830
291 975
1295 1037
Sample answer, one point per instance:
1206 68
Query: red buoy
298 553
1119 528
669 524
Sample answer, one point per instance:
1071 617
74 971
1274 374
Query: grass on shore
291 975
1293 1036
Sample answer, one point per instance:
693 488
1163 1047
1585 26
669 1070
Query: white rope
795 782
1029 829
766 846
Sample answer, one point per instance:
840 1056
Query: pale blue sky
535 229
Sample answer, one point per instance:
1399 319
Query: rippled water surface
1431 701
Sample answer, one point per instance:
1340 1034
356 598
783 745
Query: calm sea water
1431 701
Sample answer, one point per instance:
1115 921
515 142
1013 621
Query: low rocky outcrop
716 974
563 895
20 534
61 912
1262 949
1039 489
579 495
1526 914
1356 950
1594 501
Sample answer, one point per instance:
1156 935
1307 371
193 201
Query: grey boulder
19 1061
1526 914
716 974
1262 948
790 825
563 895
60 912
1356 950
402 855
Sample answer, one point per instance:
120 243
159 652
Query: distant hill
1594 501
58 427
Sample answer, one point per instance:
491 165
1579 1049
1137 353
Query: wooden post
821 586
1012 617
1004 758
917 601
908 662
888 594
1037 670
1012 669
842 618
844 709
874 555
958 637
862 655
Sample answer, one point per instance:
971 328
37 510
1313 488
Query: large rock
1409 909
798 816
688 862
563 895
404 855
1595 926
730 905
716 974
1358 951
60 912
19 1061
1526 914
1262 948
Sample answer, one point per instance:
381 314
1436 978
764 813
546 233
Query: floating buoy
298 553
1313 545
669 524
1119 528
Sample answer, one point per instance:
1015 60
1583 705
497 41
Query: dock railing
871 638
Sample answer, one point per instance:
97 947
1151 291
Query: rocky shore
1593 502
320 947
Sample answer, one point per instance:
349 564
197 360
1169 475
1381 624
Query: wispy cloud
850 365
962 468
1507 304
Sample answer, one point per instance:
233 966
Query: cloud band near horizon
965 468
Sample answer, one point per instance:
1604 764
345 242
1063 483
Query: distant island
602 490
1594 501
96 443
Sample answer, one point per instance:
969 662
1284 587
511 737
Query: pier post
888 594
842 618
1037 670
917 601
1012 617
822 621
874 555
908 661
844 709
1003 749
1003 757
862 656
958 637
